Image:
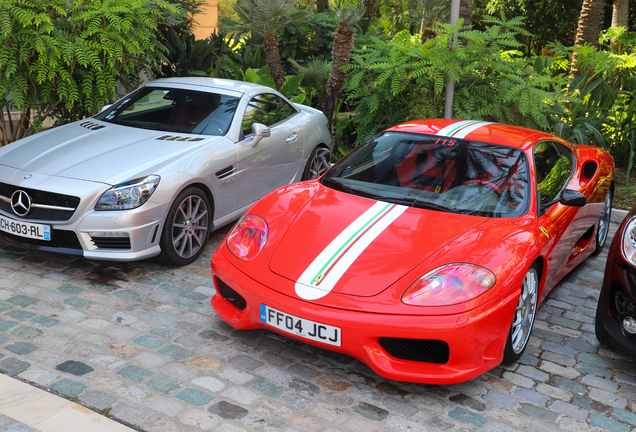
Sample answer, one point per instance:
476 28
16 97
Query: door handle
292 138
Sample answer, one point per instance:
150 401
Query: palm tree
315 74
590 22
266 18
347 19
322 5
429 12
466 12
589 30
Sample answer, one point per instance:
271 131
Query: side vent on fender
589 169
91 125
225 172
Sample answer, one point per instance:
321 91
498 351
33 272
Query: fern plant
389 82
63 59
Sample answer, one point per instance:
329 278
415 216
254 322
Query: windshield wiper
430 206
336 184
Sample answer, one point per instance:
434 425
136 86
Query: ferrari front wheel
523 319
603 224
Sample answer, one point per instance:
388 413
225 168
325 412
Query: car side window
267 109
553 167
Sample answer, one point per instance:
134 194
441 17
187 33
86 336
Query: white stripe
462 133
448 129
303 287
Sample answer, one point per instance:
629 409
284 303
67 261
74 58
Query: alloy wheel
319 163
525 312
190 226
604 222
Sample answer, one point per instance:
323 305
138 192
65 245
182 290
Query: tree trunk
369 7
322 5
620 13
589 30
466 12
590 22
340 56
270 45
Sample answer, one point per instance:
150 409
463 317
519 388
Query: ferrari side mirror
573 198
259 131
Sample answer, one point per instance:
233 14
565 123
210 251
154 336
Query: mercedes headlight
128 195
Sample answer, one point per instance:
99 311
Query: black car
616 310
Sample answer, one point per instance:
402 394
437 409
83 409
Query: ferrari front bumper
475 339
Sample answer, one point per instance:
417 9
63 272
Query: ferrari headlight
129 195
248 237
629 242
448 285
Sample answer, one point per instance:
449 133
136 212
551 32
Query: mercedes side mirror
259 131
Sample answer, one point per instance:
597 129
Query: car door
274 160
563 225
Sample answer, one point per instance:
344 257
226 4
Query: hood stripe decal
462 128
329 266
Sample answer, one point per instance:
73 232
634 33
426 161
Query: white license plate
301 327
25 229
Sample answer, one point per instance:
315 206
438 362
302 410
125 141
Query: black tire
603 224
186 229
523 318
601 334
317 164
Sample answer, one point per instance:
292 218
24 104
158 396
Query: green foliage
185 56
545 20
401 79
307 40
264 16
64 58
291 89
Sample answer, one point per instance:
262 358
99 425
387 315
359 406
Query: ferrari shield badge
545 232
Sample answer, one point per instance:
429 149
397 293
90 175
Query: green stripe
350 240
462 126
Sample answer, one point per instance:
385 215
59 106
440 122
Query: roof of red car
496 133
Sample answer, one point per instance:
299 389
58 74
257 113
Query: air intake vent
230 295
111 242
420 350
179 138
91 125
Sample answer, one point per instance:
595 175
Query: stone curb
47 412
618 215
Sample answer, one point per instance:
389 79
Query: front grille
112 242
41 198
230 295
420 350
59 239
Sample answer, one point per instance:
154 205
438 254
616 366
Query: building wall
206 20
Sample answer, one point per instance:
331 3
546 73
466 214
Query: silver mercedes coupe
156 172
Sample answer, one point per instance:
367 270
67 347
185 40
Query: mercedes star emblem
20 202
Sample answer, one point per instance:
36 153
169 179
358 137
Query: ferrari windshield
174 110
438 173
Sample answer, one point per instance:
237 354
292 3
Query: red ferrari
424 252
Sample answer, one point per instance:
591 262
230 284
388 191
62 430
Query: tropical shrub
403 79
62 59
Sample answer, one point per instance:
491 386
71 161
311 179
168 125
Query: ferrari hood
351 245
110 154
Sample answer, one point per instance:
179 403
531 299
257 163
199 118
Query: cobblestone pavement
140 342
